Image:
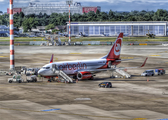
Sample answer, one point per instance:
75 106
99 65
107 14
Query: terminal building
53 7
4 31
159 28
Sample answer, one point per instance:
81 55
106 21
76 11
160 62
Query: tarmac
138 98
102 49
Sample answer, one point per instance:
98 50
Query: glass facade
113 30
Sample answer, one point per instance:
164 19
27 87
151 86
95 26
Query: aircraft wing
111 69
95 70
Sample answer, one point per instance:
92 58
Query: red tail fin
51 60
116 48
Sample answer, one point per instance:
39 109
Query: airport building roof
121 23
3 27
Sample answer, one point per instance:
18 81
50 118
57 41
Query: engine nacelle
84 75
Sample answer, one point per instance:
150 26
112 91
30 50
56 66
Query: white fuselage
72 67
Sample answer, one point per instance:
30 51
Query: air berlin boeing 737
84 69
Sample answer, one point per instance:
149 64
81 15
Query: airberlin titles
73 66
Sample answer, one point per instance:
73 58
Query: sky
106 5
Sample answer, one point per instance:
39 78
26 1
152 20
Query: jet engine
84 75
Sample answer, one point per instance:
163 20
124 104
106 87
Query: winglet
51 60
144 62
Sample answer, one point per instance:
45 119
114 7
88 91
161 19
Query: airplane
85 69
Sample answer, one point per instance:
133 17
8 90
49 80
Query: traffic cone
147 80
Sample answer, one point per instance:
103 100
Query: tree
4 19
50 26
91 16
55 31
50 21
29 23
111 15
25 24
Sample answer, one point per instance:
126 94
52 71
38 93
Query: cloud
35 0
96 1
106 5
3 1
130 1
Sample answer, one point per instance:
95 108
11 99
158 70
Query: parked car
105 84
148 73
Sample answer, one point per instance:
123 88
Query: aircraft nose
40 72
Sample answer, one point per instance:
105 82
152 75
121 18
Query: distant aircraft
85 69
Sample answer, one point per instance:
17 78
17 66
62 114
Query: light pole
12 62
69 3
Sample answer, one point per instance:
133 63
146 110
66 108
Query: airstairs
123 73
63 75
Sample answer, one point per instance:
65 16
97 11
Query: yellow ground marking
143 44
163 52
72 114
4 56
127 57
139 119
154 55
75 53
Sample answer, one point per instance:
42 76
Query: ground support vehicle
16 78
148 73
9 73
31 78
32 71
159 71
152 73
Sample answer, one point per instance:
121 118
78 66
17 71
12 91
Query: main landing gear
51 79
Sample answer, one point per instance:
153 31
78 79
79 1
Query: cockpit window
46 67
